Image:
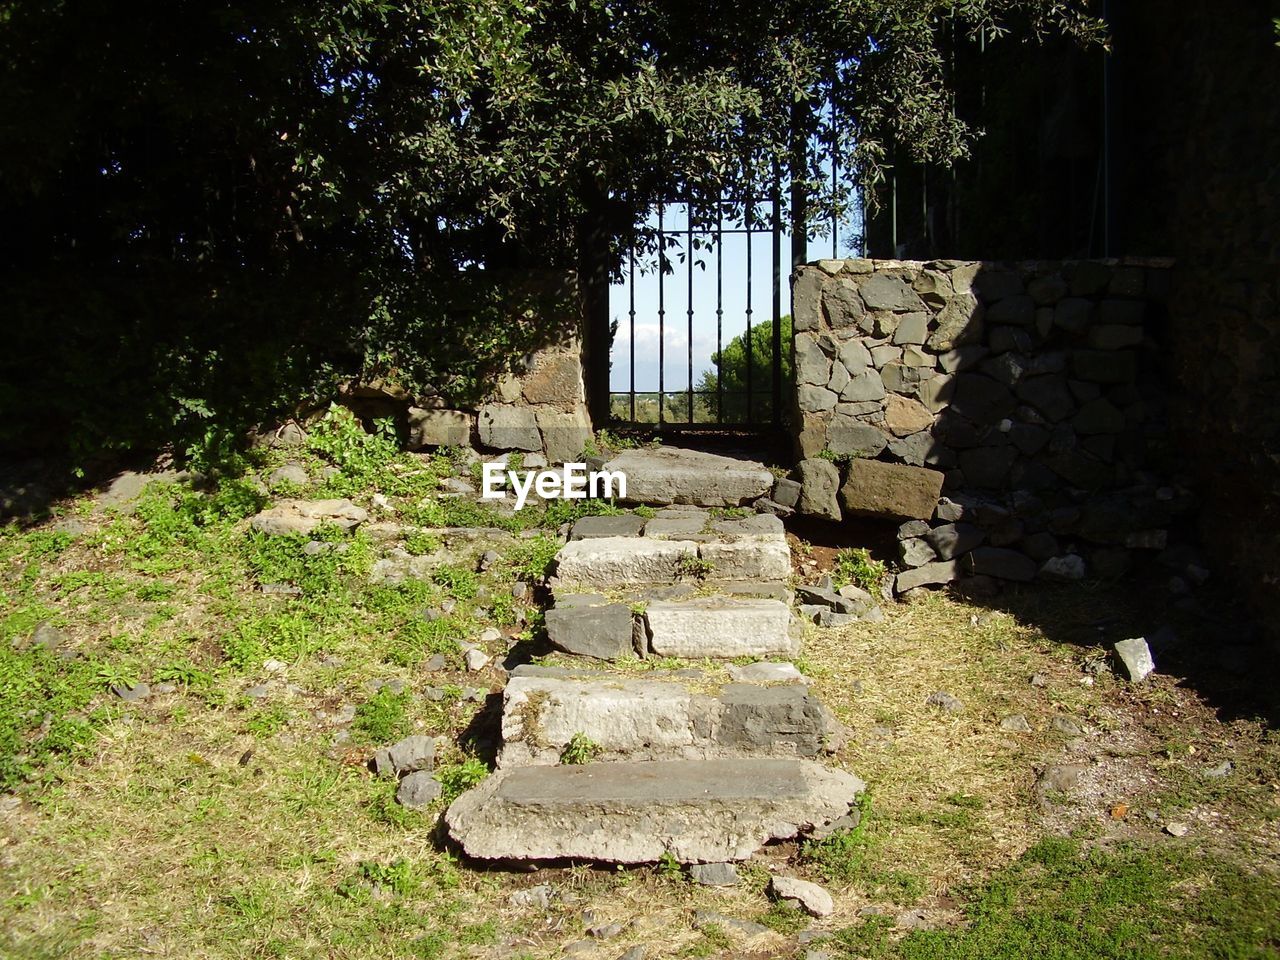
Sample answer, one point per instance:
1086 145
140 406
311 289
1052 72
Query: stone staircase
705 764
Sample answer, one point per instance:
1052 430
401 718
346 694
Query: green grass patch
1062 902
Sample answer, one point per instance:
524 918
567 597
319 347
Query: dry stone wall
1010 416
539 409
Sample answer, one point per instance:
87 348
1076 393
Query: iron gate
744 386
746 383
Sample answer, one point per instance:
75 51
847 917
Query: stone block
1114 336
806 299
604 632
982 399
555 378
812 365
960 322
664 475
1049 394
697 811
904 416
915 553
1000 562
438 428
504 427
564 435
1018 310
1122 312
676 528
931 574
864 386
718 628
841 304
849 437
854 356
288 517
954 539
815 399
890 490
995 284
1098 416
621 525
1089 277
883 292
748 558
885 353
987 467
787 492
920 449
819 485
913 328
619 562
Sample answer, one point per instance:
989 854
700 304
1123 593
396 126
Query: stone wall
539 408
1014 415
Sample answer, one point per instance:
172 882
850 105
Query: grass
204 823
1062 900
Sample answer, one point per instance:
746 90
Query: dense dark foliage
213 209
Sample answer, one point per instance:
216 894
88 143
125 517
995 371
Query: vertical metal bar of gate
662 316
632 285
750 209
719 310
688 210
776 340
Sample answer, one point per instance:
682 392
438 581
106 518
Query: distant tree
728 382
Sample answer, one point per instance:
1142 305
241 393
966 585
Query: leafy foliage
856 565
231 208
580 749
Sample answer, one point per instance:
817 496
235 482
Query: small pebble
945 701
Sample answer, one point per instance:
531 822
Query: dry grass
185 833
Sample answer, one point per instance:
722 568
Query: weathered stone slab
644 719
765 672
819 481
621 525
765 589
604 632
305 516
891 490
609 562
661 475
698 811
931 574
676 528
748 558
438 428
504 427
1135 658
718 627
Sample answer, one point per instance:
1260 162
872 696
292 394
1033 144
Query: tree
731 386
212 206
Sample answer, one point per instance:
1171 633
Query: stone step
673 715
593 625
698 811
718 627
681 549
664 475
